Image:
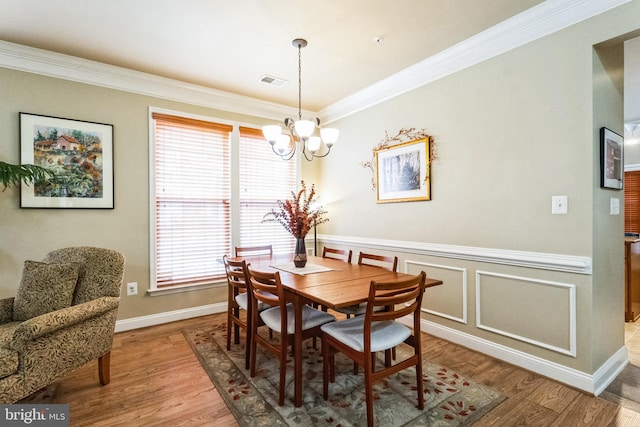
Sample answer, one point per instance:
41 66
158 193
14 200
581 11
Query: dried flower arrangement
298 214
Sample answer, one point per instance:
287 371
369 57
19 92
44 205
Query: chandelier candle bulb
314 144
304 128
329 135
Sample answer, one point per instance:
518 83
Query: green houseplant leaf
11 175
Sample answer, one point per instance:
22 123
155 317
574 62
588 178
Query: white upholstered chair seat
243 302
311 318
384 335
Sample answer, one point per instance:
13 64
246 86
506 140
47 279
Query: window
632 202
264 179
193 214
192 192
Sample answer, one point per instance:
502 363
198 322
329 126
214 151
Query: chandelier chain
299 82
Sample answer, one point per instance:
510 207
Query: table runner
307 269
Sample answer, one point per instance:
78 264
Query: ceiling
230 45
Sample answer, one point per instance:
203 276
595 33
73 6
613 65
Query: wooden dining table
329 282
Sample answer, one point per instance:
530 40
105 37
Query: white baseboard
169 316
591 383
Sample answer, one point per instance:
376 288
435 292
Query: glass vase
300 254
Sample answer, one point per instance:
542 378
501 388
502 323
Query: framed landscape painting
79 153
403 172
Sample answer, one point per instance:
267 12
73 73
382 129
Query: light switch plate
614 206
559 205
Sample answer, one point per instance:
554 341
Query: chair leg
283 369
236 337
104 368
368 385
419 384
325 370
229 329
252 353
247 343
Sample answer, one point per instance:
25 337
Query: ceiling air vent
273 81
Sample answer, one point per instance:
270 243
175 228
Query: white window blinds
192 192
264 179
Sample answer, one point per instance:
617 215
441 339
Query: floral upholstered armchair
62 317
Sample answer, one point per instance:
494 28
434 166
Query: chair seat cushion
358 309
44 288
384 335
6 333
8 362
243 302
310 318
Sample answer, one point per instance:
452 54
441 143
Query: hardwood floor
157 381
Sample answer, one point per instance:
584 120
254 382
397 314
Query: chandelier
300 131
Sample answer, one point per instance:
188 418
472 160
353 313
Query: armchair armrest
6 310
56 320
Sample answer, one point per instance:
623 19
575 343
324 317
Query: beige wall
509 133
31 233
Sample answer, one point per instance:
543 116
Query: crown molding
67 67
532 24
535 23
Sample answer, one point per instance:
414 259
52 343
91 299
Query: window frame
234 159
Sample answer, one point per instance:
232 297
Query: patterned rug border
251 407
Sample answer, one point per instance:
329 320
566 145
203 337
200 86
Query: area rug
450 399
625 389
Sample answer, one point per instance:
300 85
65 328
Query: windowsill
185 288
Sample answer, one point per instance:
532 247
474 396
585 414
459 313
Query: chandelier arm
304 153
287 156
323 155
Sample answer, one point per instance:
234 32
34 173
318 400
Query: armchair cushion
44 288
8 362
6 333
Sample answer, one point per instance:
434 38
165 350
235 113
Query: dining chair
361 337
267 288
383 261
238 298
254 250
340 254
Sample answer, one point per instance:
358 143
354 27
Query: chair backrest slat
237 272
341 254
245 251
266 287
379 261
403 296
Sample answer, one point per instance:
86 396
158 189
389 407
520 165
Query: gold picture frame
403 172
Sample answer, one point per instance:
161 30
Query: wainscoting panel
448 300
539 312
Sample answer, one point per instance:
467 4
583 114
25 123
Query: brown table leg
297 361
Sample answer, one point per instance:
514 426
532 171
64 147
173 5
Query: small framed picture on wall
611 159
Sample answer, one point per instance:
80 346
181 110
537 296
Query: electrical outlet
132 288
